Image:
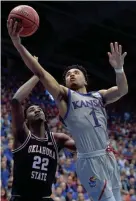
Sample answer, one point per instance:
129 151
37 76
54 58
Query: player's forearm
47 80
70 144
122 84
24 91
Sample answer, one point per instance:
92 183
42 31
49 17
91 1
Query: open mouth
38 115
72 79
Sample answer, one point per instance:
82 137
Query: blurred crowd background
67 187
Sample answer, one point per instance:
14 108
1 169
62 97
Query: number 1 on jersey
97 124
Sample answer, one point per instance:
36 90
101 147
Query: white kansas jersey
86 120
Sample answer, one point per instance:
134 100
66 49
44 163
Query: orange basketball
27 18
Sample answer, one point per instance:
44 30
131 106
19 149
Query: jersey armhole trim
103 100
22 145
54 143
68 104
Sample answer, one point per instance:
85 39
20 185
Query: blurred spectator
69 182
64 188
113 142
124 181
69 166
122 161
7 151
57 199
132 183
79 190
132 174
126 116
132 193
58 193
3 194
60 179
69 196
4 172
80 197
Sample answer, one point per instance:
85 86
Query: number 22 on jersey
40 163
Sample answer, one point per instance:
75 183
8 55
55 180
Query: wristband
119 70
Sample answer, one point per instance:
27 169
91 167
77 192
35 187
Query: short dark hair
81 68
26 108
46 117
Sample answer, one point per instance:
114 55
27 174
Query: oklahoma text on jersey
42 173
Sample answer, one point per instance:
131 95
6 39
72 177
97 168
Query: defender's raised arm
48 80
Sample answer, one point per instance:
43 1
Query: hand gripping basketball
27 18
14 31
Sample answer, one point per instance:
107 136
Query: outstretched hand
116 58
14 30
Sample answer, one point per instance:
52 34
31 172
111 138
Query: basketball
27 18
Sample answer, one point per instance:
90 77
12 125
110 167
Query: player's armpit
52 86
63 93
111 95
65 141
62 101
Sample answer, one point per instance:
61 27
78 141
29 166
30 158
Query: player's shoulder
57 135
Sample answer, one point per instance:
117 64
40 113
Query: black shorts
14 198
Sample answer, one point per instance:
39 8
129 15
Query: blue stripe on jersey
68 105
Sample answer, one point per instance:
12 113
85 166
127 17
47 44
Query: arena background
74 33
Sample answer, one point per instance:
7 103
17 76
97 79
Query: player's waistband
93 153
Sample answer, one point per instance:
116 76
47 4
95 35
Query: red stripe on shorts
105 183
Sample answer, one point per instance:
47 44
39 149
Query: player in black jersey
35 149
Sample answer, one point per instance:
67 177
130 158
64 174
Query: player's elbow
124 91
39 73
15 100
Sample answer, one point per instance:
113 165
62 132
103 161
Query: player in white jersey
84 115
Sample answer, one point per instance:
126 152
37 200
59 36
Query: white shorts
99 173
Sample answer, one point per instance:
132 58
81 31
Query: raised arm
65 141
47 80
19 127
116 59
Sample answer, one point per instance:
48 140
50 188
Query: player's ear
85 83
26 121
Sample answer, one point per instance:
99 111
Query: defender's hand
14 30
116 58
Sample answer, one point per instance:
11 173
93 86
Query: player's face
3 192
75 79
35 113
80 196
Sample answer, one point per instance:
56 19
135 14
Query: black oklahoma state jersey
35 163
